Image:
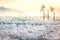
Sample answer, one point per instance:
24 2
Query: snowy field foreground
19 29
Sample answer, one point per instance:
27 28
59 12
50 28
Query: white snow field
20 29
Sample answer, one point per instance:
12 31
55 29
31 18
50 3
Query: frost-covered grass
18 29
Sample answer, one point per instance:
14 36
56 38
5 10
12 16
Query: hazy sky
30 5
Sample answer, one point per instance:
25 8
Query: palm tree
42 9
52 10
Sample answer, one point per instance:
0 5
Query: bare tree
52 10
42 9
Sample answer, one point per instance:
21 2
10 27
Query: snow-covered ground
19 29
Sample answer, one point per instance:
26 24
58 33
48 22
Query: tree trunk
48 15
54 16
43 16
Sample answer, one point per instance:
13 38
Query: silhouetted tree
42 9
52 10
